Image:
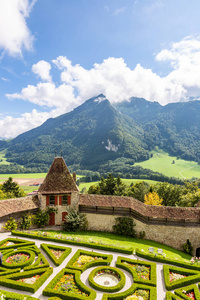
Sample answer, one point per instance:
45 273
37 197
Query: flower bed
142 271
67 285
178 277
83 260
18 280
73 241
135 292
104 286
19 258
56 253
188 292
14 243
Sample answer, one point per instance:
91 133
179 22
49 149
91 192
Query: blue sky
55 54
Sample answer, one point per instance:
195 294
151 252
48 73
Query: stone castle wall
174 236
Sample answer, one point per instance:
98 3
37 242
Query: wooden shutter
47 200
69 199
60 200
56 200
64 214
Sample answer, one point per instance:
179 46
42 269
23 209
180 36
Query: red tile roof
151 211
58 179
10 206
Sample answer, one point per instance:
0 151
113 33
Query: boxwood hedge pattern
57 261
105 259
191 277
182 292
16 243
79 243
14 296
131 291
121 263
108 289
11 279
164 260
50 291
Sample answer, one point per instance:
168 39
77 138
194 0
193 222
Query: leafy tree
171 194
152 198
109 186
138 190
12 188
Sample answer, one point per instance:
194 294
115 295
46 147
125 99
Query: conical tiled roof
58 179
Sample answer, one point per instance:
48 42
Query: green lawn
28 175
161 162
3 160
122 241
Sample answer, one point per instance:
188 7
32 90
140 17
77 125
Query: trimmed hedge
153 277
18 265
49 290
15 296
170 296
188 289
108 289
17 243
105 261
56 261
33 248
37 265
164 260
85 244
130 291
6 272
10 280
192 277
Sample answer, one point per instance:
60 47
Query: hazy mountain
91 134
96 132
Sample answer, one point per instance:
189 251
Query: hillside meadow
162 162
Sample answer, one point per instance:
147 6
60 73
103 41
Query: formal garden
58 265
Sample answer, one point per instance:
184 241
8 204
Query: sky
56 54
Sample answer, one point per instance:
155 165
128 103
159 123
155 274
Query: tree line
162 193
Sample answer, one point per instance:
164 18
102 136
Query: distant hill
96 133
90 135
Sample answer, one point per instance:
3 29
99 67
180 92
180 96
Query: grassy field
163 163
3 160
28 175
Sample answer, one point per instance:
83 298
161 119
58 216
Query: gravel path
84 276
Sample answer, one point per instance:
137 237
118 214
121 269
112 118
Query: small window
64 200
52 200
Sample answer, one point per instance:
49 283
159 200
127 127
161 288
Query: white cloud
118 82
14 32
114 79
184 58
42 69
11 127
47 94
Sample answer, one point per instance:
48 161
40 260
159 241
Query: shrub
11 224
74 220
26 221
124 226
187 247
41 218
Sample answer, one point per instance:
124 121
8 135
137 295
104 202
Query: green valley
170 166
